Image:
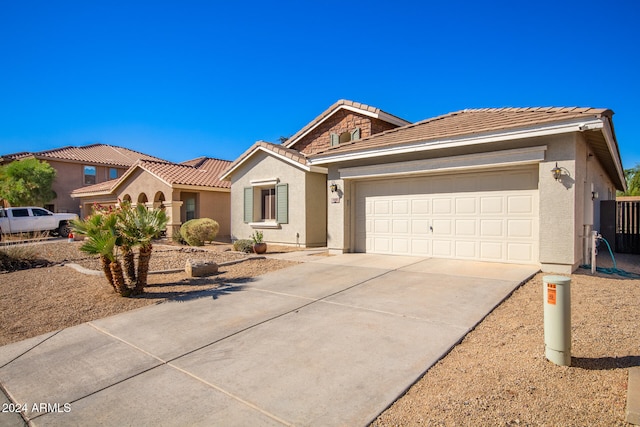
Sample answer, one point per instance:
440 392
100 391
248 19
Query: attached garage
487 216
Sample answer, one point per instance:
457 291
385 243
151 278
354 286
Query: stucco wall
316 209
565 206
216 205
70 176
264 166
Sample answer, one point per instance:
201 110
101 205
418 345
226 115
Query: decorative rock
195 268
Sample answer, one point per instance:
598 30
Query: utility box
557 319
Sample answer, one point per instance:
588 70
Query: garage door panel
491 251
442 206
491 205
420 207
484 216
520 228
466 206
465 249
400 246
420 246
442 248
519 252
492 228
400 207
522 204
400 226
381 207
465 227
420 227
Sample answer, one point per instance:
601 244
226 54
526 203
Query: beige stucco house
81 167
187 190
513 185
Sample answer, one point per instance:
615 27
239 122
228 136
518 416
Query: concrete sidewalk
332 341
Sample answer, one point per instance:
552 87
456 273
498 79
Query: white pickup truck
30 219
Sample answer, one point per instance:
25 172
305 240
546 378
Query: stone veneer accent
342 121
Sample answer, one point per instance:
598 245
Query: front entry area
484 216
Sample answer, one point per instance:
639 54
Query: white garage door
489 216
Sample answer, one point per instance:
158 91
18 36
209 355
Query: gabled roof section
347 105
466 123
95 153
205 174
99 188
201 172
291 156
473 126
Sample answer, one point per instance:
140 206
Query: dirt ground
497 375
44 299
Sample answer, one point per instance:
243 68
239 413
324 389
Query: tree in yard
27 182
113 230
632 175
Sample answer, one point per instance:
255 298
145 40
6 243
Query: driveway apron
332 341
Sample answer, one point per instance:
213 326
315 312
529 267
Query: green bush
197 231
243 245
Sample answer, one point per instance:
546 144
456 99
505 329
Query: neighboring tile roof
340 103
205 173
289 153
94 153
200 172
95 188
467 123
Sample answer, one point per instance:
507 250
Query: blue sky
180 80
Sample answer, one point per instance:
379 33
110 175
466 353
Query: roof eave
226 176
576 125
378 114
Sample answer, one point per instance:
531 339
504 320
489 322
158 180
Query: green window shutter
282 203
355 135
335 139
248 204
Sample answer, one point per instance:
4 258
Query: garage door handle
431 228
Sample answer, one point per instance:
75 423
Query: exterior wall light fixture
333 187
556 172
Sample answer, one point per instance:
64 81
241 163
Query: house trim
504 158
305 167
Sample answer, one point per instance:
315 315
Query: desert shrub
177 238
243 245
197 231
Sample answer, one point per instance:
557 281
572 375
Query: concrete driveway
332 341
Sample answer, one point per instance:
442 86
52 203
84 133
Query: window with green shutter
282 203
248 204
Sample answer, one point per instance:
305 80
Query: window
20 213
273 204
89 175
39 212
337 139
190 207
113 173
268 202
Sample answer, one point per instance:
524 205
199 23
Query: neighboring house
81 166
515 185
187 190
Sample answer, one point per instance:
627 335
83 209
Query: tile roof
329 111
94 153
293 155
205 172
95 188
467 123
200 172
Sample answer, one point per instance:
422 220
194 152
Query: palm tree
144 226
103 239
129 240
